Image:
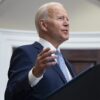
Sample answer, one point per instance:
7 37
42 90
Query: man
34 71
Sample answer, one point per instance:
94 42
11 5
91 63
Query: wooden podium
86 86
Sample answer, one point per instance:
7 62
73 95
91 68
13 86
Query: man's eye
60 18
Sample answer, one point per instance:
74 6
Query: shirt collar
46 44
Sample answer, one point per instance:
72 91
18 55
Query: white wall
85 16
10 38
19 14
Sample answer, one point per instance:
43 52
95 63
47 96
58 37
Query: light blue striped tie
63 66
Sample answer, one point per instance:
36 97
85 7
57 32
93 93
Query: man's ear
43 24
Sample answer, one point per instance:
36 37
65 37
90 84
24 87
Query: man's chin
67 38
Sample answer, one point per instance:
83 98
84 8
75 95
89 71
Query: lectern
85 86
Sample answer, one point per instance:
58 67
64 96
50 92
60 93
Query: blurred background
19 14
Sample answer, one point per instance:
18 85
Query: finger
49 64
47 54
44 50
48 59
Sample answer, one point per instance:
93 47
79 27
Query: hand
44 60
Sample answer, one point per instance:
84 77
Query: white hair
42 12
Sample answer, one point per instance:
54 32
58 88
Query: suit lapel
71 68
59 72
38 46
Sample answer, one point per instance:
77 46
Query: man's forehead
52 10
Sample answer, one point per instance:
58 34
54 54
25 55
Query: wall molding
77 40
83 40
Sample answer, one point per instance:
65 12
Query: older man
35 70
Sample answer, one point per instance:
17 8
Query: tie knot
58 52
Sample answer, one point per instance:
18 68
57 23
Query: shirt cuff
33 80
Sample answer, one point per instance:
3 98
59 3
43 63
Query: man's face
58 24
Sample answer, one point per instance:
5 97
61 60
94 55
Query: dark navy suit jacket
22 61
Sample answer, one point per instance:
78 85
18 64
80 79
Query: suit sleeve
18 83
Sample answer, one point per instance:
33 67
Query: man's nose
66 22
